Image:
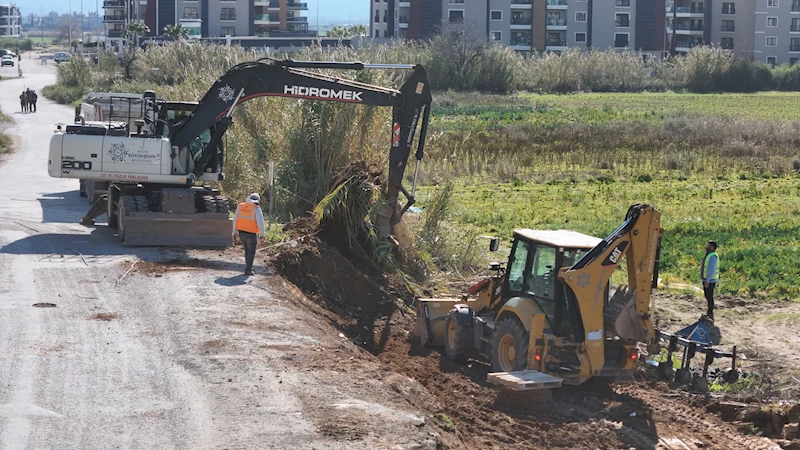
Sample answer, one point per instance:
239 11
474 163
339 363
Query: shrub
10 43
787 78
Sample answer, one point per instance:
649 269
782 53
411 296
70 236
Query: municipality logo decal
226 93
117 152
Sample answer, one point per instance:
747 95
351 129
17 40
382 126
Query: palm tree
176 32
358 30
338 32
135 29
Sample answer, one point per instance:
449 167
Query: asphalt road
185 359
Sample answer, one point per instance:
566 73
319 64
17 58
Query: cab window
517 266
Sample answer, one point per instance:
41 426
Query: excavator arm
638 240
288 78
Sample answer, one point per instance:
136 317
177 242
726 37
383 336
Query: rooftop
560 238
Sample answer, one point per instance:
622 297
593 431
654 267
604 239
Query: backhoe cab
549 316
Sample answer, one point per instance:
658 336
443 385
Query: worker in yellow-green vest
709 273
248 224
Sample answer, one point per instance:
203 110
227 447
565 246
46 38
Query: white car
7 61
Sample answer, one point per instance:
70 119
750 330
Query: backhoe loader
548 318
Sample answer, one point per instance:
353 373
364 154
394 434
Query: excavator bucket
179 230
620 317
429 329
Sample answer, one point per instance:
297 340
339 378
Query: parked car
61 57
6 61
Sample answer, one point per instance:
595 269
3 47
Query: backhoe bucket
620 316
156 229
429 328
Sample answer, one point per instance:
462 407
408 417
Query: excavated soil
373 312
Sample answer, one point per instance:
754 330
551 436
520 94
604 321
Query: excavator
550 318
146 165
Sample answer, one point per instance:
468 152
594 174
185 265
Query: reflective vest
714 276
246 218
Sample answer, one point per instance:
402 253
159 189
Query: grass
755 221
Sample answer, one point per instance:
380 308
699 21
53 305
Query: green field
461 111
721 183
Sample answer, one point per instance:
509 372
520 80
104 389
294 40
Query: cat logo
613 258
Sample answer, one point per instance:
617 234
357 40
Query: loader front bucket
429 328
156 229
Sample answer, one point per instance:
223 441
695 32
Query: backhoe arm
288 79
638 240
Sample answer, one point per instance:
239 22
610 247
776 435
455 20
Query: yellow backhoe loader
549 317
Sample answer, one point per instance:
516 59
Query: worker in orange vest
248 224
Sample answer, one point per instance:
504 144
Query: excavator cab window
517 265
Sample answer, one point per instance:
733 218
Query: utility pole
83 25
70 23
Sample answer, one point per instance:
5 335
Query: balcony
268 4
297 19
113 4
687 11
404 4
521 4
115 33
521 23
266 19
556 24
114 18
556 4
556 45
293 6
687 29
794 48
794 28
403 21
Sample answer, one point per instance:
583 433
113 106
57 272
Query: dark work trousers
249 241
709 292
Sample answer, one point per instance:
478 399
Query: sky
329 10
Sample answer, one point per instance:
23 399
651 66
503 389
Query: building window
497 15
728 8
792 61
224 31
580 17
621 40
385 15
623 2
772 60
772 3
622 20
795 24
497 36
190 13
726 43
456 1
795 5
580 37
396 12
455 15
227 14
794 45
377 32
386 33
772 21
772 41
377 17
727 25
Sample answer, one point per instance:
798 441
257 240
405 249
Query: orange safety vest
246 220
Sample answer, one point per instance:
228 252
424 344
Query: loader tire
458 338
125 206
142 203
209 204
223 205
509 346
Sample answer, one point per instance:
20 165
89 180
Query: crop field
746 201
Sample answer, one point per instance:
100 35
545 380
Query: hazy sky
328 9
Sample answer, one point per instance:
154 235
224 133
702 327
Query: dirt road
167 357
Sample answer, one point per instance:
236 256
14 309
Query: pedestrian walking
35 97
709 274
23 102
248 224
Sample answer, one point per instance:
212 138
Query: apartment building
765 30
10 20
211 18
530 25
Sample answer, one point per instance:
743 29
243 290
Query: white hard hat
255 197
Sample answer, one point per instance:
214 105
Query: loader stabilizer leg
98 209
